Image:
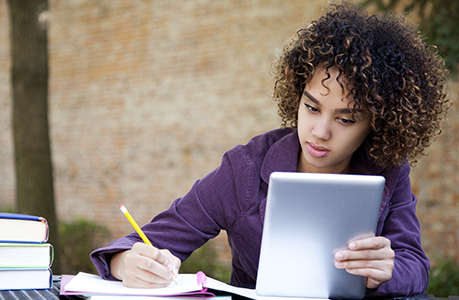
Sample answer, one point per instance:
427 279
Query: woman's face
328 133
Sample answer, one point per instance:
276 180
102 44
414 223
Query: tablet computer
308 218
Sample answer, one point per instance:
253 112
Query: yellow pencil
139 230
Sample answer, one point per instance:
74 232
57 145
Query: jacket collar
282 156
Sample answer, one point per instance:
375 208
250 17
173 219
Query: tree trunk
34 179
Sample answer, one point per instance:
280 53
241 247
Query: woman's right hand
144 266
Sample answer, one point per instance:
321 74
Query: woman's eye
311 108
347 121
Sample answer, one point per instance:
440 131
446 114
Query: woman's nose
321 129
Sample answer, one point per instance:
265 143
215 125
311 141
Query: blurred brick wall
146 96
435 181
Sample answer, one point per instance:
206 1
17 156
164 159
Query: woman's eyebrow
311 97
339 110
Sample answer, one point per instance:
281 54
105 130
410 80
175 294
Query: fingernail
350 270
169 276
175 271
338 264
339 256
352 246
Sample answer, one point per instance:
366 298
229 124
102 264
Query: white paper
114 297
93 284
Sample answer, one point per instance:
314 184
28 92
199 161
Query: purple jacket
233 198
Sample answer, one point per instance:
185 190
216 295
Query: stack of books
25 257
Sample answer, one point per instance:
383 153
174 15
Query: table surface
53 294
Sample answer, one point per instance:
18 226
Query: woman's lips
317 151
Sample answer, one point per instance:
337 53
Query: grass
444 278
77 240
206 259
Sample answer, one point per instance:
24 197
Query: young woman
357 94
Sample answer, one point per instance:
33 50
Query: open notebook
187 285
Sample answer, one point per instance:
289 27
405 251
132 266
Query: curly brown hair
395 77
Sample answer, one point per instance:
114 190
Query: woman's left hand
372 258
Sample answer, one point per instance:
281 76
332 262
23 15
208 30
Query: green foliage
439 24
8 209
77 240
444 278
205 259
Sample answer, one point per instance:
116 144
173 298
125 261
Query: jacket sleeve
187 224
401 226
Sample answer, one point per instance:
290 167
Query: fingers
372 258
148 267
366 249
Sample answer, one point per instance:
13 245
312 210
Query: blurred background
144 97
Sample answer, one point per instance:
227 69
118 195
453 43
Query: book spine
47 229
19 217
51 255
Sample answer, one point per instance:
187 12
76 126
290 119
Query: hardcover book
21 228
22 255
19 279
